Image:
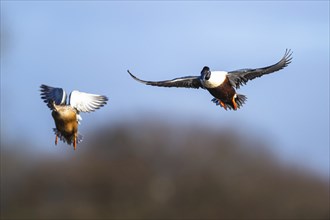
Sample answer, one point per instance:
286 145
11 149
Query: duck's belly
224 92
66 121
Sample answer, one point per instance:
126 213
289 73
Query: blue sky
89 45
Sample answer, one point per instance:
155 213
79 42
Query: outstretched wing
86 102
50 94
239 77
182 82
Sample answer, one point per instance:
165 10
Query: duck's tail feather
240 100
66 139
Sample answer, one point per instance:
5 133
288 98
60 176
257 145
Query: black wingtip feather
287 57
137 79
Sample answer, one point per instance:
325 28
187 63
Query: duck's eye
207 75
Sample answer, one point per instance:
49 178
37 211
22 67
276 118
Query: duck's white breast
216 79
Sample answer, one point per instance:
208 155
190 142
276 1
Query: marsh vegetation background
157 171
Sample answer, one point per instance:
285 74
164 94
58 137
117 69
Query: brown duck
66 116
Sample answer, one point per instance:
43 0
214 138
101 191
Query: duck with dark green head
221 84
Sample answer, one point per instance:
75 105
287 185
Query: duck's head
206 73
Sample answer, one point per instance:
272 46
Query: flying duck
66 116
222 84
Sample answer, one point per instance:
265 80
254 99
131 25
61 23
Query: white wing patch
216 79
86 102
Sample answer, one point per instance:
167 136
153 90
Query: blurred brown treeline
154 171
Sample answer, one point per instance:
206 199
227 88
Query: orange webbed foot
234 103
74 142
222 104
56 139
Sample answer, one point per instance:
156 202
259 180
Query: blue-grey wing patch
182 82
238 78
51 94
